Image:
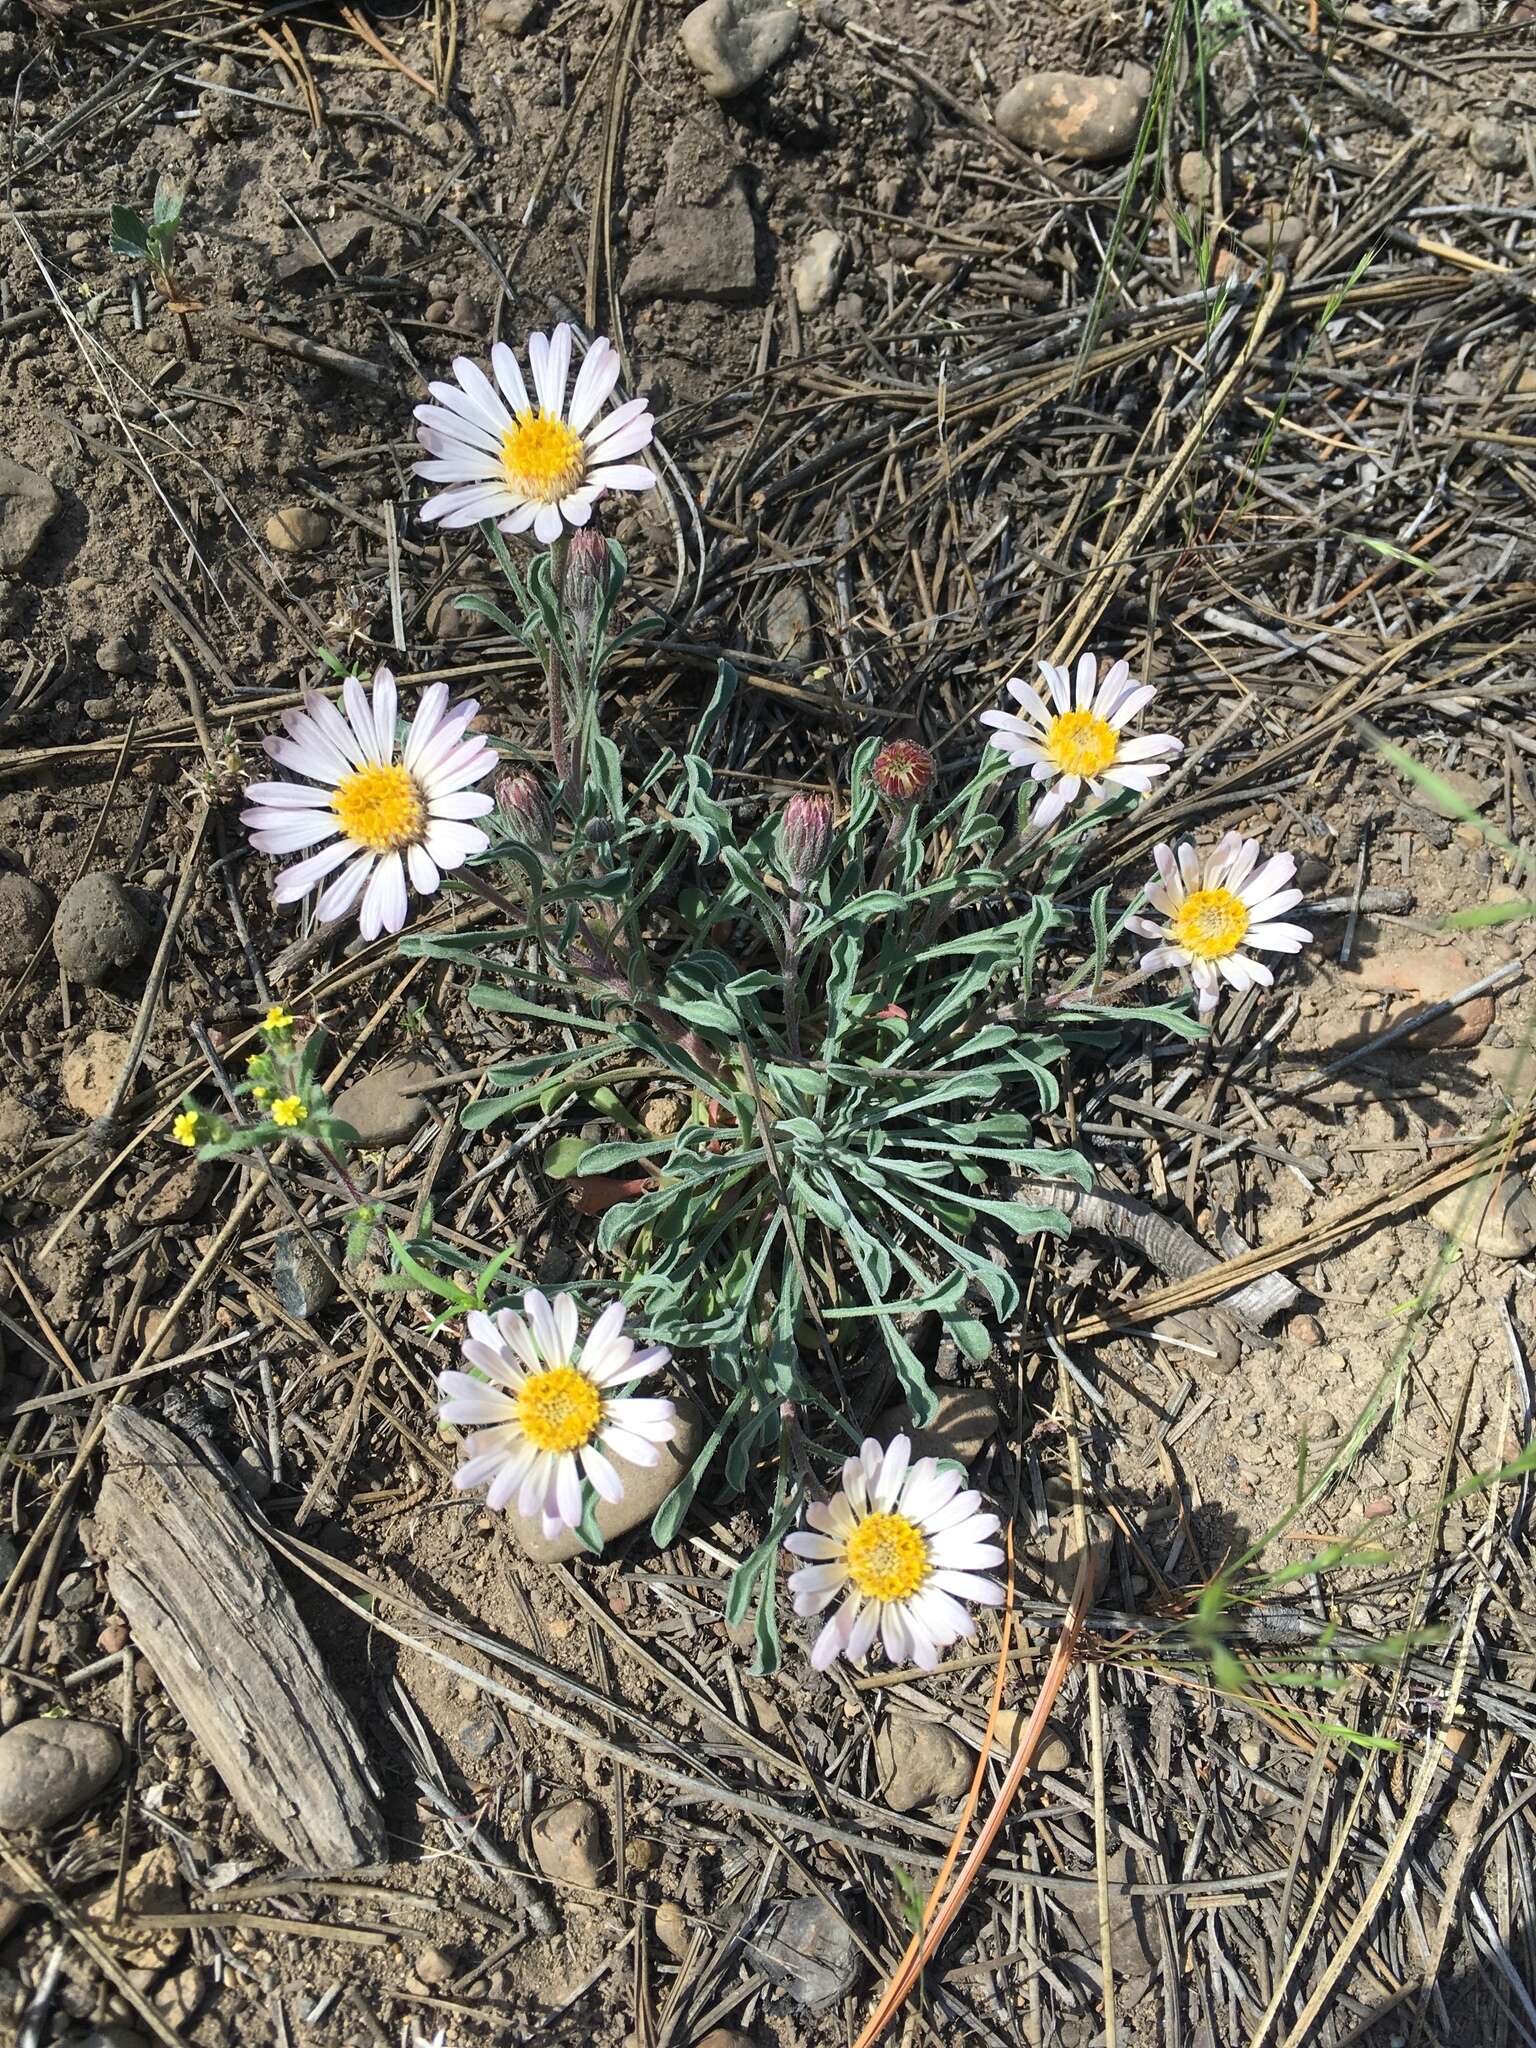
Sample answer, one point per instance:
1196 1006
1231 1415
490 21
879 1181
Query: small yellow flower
185 1129
288 1111
260 1096
277 1019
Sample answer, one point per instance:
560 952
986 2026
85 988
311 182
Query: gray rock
807 1949
1091 120
698 252
570 1842
734 43
26 912
117 656
98 930
645 1488
818 269
49 1769
174 1194
510 17
479 1737
921 1763
297 529
1131 1935
787 623
348 235
381 1108
27 503
1494 145
301 1279
1277 234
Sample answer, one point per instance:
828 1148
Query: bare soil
880 509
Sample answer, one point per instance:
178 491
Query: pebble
98 930
921 1763
818 269
1306 1330
151 1884
1055 1752
734 43
446 622
787 624
118 656
49 1769
1252 1752
808 1950
380 1108
1277 234
297 529
1413 981
250 1470
348 235
1495 1213
479 1737
671 1925
645 1488
1460 792
1199 179
698 252
664 1115
26 913
964 1421
27 503
436 1966
1494 145
174 1194
1091 120
301 1278
1511 1068
724 2037
1131 1935
570 1842
509 17
91 1070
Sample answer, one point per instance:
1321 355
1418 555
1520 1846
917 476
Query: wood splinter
219 1627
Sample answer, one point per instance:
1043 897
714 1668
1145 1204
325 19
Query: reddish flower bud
522 803
586 573
805 837
902 771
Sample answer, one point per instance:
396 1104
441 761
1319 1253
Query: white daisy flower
906 1547
1078 742
1214 910
531 462
546 1411
391 817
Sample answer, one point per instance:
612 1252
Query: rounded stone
382 1108
733 43
570 1842
49 1769
297 530
26 912
1060 113
818 268
1494 145
645 1488
921 1763
98 930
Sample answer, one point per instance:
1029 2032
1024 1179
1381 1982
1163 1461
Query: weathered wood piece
219 1627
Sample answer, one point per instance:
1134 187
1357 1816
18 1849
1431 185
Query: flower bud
902 771
586 573
805 837
522 803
